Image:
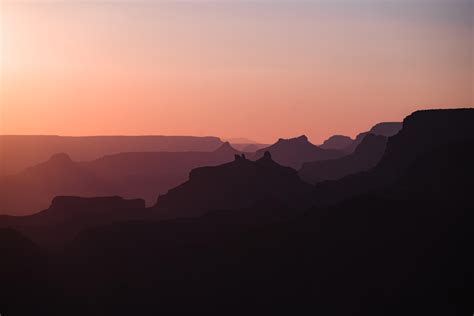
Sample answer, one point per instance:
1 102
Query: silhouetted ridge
338 142
19 152
33 189
56 161
130 175
325 262
422 131
399 244
366 156
386 129
69 203
226 148
300 139
294 152
68 215
235 185
60 158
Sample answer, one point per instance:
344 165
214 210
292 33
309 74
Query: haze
260 70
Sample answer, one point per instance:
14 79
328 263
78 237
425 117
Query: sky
230 68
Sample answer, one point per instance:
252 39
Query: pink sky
229 68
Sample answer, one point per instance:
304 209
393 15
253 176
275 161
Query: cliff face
425 130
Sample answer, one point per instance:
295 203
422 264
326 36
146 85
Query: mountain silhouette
69 215
393 240
21 151
147 175
422 131
366 155
226 149
294 152
415 247
338 142
33 189
236 185
131 175
386 129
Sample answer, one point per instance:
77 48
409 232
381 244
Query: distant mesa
33 189
227 148
19 152
92 209
235 185
303 139
366 156
387 129
68 215
60 158
131 175
68 203
338 142
294 152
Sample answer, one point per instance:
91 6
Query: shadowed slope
386 129
367 155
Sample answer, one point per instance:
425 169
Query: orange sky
229 68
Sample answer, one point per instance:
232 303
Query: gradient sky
260 70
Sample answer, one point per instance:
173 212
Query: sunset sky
229 68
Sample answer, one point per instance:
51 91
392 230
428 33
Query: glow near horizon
260 70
